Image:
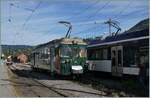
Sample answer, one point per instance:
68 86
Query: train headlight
77 69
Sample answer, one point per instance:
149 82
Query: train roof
63 41
123 37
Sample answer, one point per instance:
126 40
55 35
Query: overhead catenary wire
120 13
93 21
83 31
98 10
28 18
86 9
28 9
11 5
10 18
79 13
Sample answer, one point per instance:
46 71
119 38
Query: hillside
14 49
16 46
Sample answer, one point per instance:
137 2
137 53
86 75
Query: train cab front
73 58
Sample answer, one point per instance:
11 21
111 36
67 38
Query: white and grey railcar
120 54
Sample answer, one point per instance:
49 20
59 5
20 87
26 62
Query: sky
32 22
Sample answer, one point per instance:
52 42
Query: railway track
106 86
123 87
39 83
65 95
51 88
64 92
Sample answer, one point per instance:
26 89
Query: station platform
6 88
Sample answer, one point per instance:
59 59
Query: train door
117 60
35 59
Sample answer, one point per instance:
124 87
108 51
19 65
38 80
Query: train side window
113 58
119 58
109 54
97 54
91 54
130 56
105 54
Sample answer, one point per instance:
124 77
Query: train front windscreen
73 51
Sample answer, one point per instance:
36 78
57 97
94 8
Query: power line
115 17
9 19
92 33
88 23
121 12
31 14
85 30
97 11
11 5
28 18
28 9
80 13
94 15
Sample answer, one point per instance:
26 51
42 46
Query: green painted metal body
58 56
72 59
66 66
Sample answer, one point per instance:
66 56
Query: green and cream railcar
63 56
